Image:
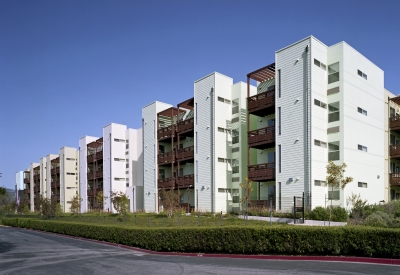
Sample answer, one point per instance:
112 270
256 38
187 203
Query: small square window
362 148
221 130
221 160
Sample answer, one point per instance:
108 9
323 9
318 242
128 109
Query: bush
378 219
289 240
339 214
319 213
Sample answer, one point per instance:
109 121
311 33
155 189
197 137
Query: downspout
110 171
308 118
212 151
388 150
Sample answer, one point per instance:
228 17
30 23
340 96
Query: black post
247 211
148 220
303 207
294 209
270 212
198 219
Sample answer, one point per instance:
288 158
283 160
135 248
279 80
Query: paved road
29 252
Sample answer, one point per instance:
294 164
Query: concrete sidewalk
290 221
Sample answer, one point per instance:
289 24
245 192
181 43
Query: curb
365 260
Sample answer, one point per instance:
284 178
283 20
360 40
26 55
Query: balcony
36 177
90 192
90 158
27 201
185 181
36 190
55 170
27 180
56 184
185 126
166 183
185 153
99 174
99 155
90 175
99 189
394 123
394 179
395 151
166 132
166 158
262 172
262 104
262 138
27 191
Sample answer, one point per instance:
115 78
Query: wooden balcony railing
36 177
263 203
90 158
394 151
185 181
166 132
90 175
394 123
185 125
261 136
56 184
27 191
90 192
261 101
99 155
395 179
99 173
165 158
55 170
185 153
166 183
262 172
99 189
27 180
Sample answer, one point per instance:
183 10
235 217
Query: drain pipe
212 152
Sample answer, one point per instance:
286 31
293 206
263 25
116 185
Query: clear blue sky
68 68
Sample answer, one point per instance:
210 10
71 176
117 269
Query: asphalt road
29 252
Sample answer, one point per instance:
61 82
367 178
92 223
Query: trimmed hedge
289 240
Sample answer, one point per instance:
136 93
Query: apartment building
196 148
328 104
392 146
54 177
19 186
109 164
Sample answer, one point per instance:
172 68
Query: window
236 149
362 184
127 146
235 196
236 179
119 140
119 179
332 130
220 99
279 120
221 130
334 113
319 143
221 160
319 64
197 171
117 159
360 73
334 195
362 148
392 112
334 152
319 183
235 140
196 144
333 73
227 101
70 159
362 111
221 190
279 83
236 119
319 103
70 173
235 170
279 158
333 91
235 110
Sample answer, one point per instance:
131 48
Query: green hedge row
282 240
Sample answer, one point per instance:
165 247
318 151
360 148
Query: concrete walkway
290 221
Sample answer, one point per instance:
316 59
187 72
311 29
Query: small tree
169 201
47 207
247 188
101 198
120 202
336 179
358 205
76 204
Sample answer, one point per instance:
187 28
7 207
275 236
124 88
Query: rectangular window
279 120
334 151
362 184
392 112
236 179
319 143
333 73
220 99
319 64
221 190
334 195
196 113
119 140
221 130
227 101
334 112
70 159
319 183
362 111
196 144
319 103
127 146
279 159
119 179
235 149
362 148
333 130
235 170
117 159
221 160
279 83
235 110
360 73
154 155
235 140
70 173
236 119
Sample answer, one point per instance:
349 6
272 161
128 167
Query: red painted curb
349 259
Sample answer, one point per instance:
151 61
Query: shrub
319 213
289 240
339 214
378 219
